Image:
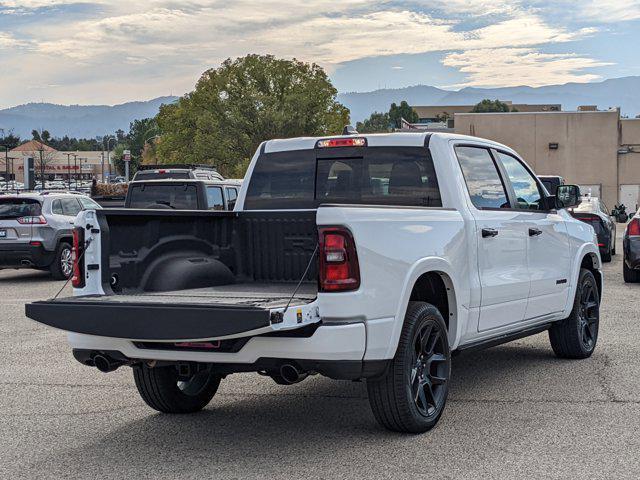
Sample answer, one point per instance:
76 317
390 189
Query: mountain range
88 121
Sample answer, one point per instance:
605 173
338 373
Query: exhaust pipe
290 374
26 263
106 364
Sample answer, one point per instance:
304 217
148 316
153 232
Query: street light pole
75 168
68 170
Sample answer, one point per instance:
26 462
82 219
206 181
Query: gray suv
36 230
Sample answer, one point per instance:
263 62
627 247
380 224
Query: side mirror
567 196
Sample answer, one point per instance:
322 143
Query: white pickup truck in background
356 257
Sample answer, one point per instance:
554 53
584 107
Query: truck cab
356 257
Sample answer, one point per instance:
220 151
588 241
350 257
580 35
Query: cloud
520 66
159 45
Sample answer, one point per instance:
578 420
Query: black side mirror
567 196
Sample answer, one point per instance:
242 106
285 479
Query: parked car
36 230
357 257
181 172
631 250
593 211
551 182
183 194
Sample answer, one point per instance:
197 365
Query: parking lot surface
514 411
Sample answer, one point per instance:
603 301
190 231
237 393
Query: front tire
576 336
410 397
164 390
62 266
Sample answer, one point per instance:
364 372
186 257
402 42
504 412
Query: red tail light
339 270
633 229
78 260
39 220
342 142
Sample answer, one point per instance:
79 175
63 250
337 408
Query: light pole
75 167
68 170
109 156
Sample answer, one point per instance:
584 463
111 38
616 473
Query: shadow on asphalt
236 431
26 276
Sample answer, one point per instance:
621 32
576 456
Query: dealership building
58 165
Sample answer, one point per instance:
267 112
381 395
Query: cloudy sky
112 51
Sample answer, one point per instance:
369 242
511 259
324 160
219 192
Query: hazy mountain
87 121
81 121
617 92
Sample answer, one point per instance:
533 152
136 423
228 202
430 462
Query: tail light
39 220
633 229
339 270
78 259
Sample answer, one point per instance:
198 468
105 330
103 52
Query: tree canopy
404 110
244 102
377 123
488 106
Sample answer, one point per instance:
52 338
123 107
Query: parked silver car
36 230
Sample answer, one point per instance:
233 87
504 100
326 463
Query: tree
376 123
488 106
403 111
9 140
244 102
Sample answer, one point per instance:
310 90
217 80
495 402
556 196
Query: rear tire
606 257
576 336
62 266
410 397
163 390
630 276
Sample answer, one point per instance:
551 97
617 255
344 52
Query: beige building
54 164
597 150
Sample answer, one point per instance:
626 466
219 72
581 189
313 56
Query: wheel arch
588 257
431 280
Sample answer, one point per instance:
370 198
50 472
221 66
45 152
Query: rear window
374 176
19 207
179 196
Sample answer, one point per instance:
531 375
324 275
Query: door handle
489 232
534 232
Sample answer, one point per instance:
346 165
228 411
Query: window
19 207
481 175
88 204
178 196
377 176
214 198
232 194
56 207
70 207
528 195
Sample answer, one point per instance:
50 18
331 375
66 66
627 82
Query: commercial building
598 150
439 113
53 164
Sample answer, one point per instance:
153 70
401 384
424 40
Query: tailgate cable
84 249
279 316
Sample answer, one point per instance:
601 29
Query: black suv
183 194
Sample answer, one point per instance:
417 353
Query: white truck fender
458 313
585 249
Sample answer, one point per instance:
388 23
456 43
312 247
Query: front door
548 249
501 240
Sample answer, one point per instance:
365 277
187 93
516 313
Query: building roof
33 146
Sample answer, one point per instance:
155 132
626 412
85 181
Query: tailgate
199 314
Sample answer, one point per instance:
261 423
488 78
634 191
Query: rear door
548 249
501 240
14 229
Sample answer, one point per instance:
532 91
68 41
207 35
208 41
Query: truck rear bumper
340 342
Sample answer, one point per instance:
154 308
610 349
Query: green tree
376 123
404 110
488 106
244 102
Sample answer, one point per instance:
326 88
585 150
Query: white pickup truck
355 257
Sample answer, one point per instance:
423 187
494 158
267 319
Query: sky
113 51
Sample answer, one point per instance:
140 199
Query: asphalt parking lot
514 411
